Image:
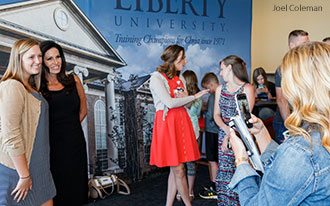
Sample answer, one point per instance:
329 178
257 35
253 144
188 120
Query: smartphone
243 108
178 89
248 141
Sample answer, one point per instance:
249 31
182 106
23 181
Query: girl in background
264 90
194 112
235 76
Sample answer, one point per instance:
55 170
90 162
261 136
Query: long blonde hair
306 86
14 69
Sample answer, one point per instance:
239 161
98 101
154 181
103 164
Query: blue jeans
279 128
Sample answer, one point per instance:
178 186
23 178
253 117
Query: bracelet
27 177
240 159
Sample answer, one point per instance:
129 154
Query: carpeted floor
152 192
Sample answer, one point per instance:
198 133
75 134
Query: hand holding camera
241 123
261 89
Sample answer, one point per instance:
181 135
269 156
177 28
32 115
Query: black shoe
208 194
209 185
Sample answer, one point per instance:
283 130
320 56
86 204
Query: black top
68 156
271 89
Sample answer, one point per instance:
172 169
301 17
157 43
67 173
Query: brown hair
238 67
209 77
296 33
169 55
326 39
259 71
67 80
14 69
191 82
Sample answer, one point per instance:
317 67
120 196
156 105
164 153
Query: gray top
210 125
43 188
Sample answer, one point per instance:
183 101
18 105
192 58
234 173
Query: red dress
173 139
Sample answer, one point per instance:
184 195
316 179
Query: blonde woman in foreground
298 171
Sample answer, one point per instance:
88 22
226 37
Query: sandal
191 196
178 197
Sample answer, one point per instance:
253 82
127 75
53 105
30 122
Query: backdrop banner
139 30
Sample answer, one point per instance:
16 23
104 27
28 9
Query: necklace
234 87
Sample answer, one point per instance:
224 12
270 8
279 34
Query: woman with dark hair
263 88
173 140
235 76
25 177
67 108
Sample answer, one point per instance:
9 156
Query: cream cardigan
161 94
19 117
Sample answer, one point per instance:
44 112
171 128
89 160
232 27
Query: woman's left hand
237 146
22 189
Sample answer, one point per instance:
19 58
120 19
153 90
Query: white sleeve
158 89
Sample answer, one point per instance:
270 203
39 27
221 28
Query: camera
178 89
241 124
243 108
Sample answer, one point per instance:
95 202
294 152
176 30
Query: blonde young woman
25 177
298 172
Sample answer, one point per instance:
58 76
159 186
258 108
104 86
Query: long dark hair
169 55
66 80
238 67
191 82
257 72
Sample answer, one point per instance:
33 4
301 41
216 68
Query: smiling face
31 62
53 61
180 61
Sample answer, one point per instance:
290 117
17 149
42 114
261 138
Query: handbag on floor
104 186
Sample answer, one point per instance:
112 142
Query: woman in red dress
173 141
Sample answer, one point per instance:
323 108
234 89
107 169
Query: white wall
270 28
